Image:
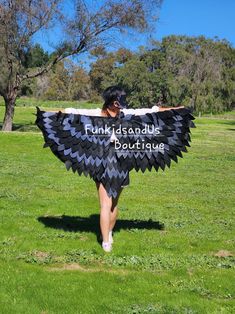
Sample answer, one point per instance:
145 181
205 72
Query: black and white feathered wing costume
107 148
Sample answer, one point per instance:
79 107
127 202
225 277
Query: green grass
33 102
171 225
26 108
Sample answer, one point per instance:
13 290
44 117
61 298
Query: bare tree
85 28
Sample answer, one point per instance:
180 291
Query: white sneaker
107 246
111 237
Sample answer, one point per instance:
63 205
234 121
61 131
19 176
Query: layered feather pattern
106 148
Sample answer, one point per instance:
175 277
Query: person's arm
70 110
169 108
87 112
140 111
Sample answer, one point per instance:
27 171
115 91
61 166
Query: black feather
96 156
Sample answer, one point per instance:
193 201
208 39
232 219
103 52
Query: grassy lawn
33 102
26 108
174 241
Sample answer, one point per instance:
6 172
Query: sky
179 17
194 18
198 17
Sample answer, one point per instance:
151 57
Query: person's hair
111 94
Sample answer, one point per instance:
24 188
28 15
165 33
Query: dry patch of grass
223 253
78 267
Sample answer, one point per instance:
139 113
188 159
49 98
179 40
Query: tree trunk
9 113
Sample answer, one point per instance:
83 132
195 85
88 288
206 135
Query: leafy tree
136 80
58 83
192 71
102 72
67 81
79 86
35 57
81 30
196 68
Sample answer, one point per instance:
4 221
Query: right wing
71 138
167 143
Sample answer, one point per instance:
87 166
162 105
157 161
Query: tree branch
56 59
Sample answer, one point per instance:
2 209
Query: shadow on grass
228 122
23 127
91 224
